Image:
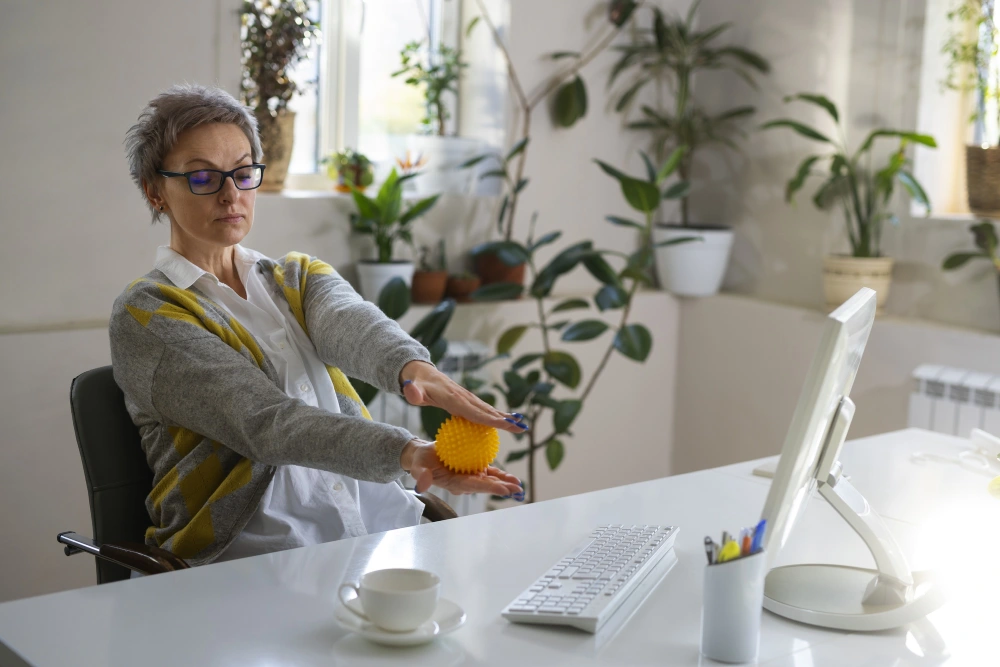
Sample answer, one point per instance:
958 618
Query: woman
233 364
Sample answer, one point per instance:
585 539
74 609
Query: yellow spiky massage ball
465 447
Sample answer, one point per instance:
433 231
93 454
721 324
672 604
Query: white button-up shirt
302 506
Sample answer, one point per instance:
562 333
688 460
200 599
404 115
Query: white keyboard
613 569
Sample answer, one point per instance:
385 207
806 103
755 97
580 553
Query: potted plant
275 36
384 218
970 51
429 282
461 286
863 191
437 73
349 169
530 383
671 52
567 93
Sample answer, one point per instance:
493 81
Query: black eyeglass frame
222 181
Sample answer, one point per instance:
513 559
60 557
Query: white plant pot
373 276
695 268
843 276
444 155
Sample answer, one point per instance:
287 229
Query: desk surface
278 609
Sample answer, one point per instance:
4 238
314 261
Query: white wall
74 231
742 362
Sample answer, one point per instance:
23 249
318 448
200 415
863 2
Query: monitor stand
851 598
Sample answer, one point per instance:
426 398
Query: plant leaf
509 338
570 304
671 164
365 391
503 211
611 171
438 349
519 388
642 196
544 240
563 416
570 102
563 367
629 94
958 259
559 55
431 419
521 184
516 149
924 139
510 253
498 292
678 241
600 269
367 208
554 452
914 188
610 297
472 24
517 456
622 222
493 173
584 330
431 327
819 100
562 263
796 182
418 209
804 130
678 190
473 161
634 341
525 360
650 169
394 299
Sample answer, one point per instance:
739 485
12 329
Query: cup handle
340 594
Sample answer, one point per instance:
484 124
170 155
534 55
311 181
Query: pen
745 543
729 551
758 536
710 550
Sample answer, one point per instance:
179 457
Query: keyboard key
549 610
523 607
568 572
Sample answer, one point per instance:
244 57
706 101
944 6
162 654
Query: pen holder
731 608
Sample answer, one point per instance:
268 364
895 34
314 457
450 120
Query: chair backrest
118 477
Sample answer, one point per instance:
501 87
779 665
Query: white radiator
954 400
461 359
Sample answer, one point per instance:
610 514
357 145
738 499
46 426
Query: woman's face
211 221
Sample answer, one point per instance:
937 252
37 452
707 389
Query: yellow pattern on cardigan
206 483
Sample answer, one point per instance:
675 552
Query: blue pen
758 536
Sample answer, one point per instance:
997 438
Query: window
349 98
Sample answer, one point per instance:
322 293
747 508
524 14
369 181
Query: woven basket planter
843 276
982 172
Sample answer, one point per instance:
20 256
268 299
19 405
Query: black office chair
119 479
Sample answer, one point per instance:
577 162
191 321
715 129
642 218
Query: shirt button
338 487
281 346
304 387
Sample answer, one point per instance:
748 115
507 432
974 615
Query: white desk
278 609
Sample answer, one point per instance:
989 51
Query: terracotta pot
491 270
429 286
460 288
982 175
276 138
843 276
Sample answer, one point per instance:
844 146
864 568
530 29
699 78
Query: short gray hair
170 113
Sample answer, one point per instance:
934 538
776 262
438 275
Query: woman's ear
153 195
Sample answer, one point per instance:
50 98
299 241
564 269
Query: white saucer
447 617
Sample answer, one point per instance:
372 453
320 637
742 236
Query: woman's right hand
420 459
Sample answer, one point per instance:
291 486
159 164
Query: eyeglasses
210 181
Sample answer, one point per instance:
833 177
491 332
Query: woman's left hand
421 460
423 384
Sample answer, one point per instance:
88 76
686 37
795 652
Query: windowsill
333 194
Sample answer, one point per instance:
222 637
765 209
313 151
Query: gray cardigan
214 419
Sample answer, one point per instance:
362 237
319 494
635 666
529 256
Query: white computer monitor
847 598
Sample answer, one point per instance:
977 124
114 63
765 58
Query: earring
161 208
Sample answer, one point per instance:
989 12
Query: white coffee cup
399 599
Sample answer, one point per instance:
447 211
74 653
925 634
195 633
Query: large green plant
529 384
851 180
671 51
275 35
971 51
437 74
383 216
984 235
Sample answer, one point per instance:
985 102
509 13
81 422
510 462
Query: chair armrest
141 558
435 509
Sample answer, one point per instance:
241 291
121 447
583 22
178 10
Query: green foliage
851 181
985 238
394 299
437 73
350 168
971 52
671 51
570 103
274 36
383 216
